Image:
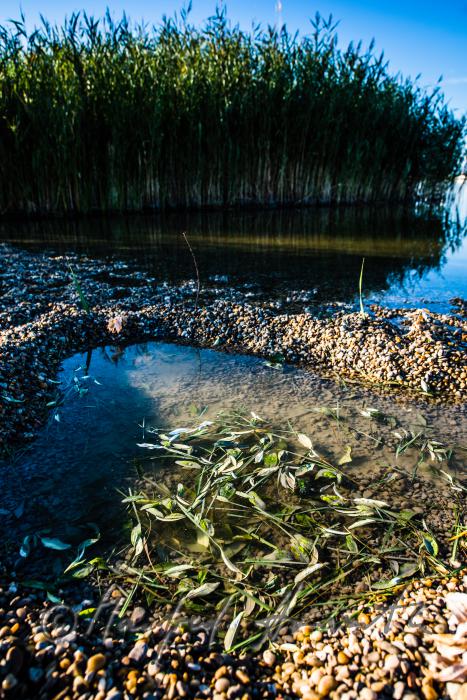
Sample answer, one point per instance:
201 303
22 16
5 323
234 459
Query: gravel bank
412 649
42 321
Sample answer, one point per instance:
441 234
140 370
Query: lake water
410 259
71 475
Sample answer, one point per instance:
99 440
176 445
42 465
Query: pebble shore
398 652
42 321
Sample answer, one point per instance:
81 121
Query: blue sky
418 37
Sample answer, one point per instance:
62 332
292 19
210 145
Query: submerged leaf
308 571
205 589
305 441
346 457
53 543
232 631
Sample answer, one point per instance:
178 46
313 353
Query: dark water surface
71 475
411 259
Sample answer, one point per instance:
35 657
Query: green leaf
351 545
431 544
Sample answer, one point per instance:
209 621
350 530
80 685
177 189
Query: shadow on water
70 476
277 250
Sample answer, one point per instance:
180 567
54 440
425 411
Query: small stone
391 662
342 658
242 676
181 689
428 692
411 641
9 682
138 615
398 690
326 684
79 685
304 689
316 676
14 658
222 685
35 674
367 694
95 663
269 658
139 651
221 671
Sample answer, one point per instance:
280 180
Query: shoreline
42 322
388 653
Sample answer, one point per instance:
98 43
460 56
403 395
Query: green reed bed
98 115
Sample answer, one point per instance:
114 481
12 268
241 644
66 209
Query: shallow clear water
70 475
410 260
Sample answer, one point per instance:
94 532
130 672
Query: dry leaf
115 324
457 604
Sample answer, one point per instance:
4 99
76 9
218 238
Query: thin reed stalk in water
360 284
198 280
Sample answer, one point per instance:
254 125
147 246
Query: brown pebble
342 658
429 693
242 676
326 684
221 671
410 640
95 663
14 658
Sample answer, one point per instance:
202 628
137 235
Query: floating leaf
351 544
53 598
26 546
362 523
150 446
